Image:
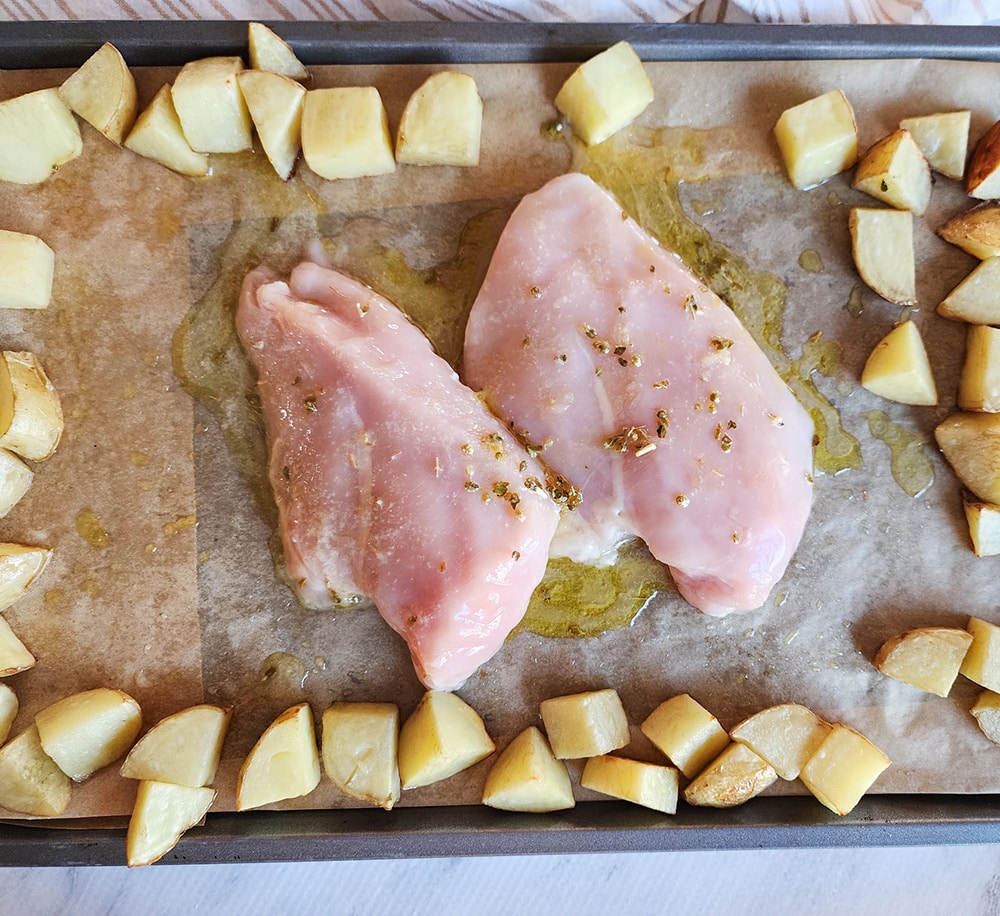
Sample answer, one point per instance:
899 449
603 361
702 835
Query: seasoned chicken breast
391 478
629 377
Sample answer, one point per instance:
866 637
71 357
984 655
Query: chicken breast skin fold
640 386
391 478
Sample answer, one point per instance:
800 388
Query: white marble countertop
884 881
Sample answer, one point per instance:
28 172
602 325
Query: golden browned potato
158 135
785 736
984 526
442 122
30 781
927 658
647 784
9 707
585 724
284 763
14 654
103 93
345 133
983 180
734 777
442 736
210 106
38 133
527 777
986 710
359 750
275 104
689 735
898 368
882 245
269 51
843 769
818 139
20 565
895 171
982 662
970 440
86 731
606 93
26 268
183 749
979 385
976 231
162 813
977 298
31 417
943 138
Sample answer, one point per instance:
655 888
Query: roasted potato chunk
982 662
585 724
818 139
898 368
38 133
943 138
30 781
786 736
158 135
103 93
843 769
162 813
734 777
689 735
927 658
895 171
31 417
359 749
527 777
984 526
976 231
442 123
345 133
970 441
882 245
26 268
647 784
977 298
983 179
284 763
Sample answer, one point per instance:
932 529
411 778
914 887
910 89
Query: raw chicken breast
391 478
643 389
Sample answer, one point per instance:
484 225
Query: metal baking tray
773 822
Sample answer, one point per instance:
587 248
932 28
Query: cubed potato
442 736
20 566
786 736
882 246
895 171
26 268
442 122
284 763
984 527
982 662
15 480
647 784
210 106
38 133
927 658
527 777
979 385
345 133
943 138
88 730
986 711
689 735
31 417
103 93
359 749
970 441
269 51
843 769
30 781
585 724
183 749
14 655
606 93
275 104
158 135
8 711
160 816
983 178
977 298
734 777
975 231
818 139
898 368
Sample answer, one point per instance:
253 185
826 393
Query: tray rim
340 834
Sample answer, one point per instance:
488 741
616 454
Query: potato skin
985 160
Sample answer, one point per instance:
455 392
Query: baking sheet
846 596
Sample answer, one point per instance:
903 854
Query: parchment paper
182 603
